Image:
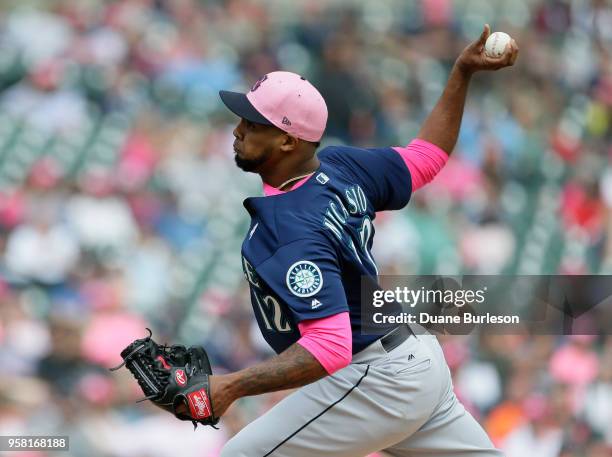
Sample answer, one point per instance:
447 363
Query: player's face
254 145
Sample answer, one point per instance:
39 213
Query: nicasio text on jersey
336 217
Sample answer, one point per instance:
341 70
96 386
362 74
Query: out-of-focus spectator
540 435
101 222
43 248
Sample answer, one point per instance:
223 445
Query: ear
289 143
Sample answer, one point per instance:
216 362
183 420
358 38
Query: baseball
496 44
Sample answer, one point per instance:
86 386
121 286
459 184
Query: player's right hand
473 58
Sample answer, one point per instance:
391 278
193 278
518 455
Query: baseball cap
285 100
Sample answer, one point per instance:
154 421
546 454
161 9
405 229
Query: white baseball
496 44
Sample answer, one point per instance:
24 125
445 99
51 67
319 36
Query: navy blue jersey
307 249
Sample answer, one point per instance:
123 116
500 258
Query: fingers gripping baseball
486 32
475 57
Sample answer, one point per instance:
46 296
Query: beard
251 165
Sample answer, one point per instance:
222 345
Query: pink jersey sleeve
329 340
424 160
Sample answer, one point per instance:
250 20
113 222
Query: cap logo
258 83
286 121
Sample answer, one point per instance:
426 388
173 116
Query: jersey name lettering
337 213
251 274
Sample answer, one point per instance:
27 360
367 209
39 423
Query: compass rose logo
304 278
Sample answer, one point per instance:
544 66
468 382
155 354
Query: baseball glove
172 375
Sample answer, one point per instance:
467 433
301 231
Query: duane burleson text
425 318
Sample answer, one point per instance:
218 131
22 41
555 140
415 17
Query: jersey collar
270 191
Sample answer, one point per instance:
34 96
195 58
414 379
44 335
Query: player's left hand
473 58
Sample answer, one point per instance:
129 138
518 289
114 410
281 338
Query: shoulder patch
304 278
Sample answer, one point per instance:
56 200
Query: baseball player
304 255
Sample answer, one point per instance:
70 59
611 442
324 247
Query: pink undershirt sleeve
424 160
329 340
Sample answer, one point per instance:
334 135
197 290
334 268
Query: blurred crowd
120 204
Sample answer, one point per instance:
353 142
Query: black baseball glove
172 375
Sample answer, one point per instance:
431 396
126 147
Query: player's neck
283 174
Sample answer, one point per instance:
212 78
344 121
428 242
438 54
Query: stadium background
120 205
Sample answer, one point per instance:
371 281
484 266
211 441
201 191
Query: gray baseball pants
400 401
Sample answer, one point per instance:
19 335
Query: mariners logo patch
304 278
